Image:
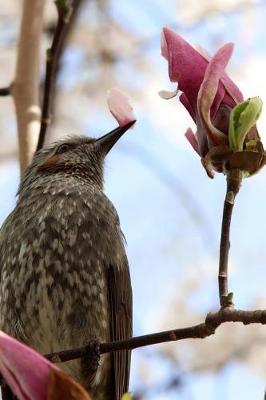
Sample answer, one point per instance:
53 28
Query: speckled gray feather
64 272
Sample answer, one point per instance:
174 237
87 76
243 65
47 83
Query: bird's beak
106 142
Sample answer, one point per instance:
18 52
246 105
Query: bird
64 273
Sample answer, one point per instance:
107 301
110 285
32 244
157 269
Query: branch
234 178
76 7
25 87
67 12
200 331
5 91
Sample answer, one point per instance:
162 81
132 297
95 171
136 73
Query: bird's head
76 156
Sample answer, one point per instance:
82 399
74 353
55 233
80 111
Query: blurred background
170 211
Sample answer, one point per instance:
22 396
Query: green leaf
242 118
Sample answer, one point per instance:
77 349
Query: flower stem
234 179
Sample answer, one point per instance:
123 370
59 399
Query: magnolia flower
209 95
30 376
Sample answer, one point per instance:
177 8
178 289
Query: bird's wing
120 298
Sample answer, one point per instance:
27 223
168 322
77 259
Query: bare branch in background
25 87
5 91
76 6
67 11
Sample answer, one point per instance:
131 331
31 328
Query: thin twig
67 10
200 331
234 178
76 7
5 91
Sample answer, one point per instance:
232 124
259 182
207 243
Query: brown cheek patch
53 164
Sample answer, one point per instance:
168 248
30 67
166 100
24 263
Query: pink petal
186 66
25 371
164 48
232 90
119 107
32 377
192 140
208 91
184 100
229 85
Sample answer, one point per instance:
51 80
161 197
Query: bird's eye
63 148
